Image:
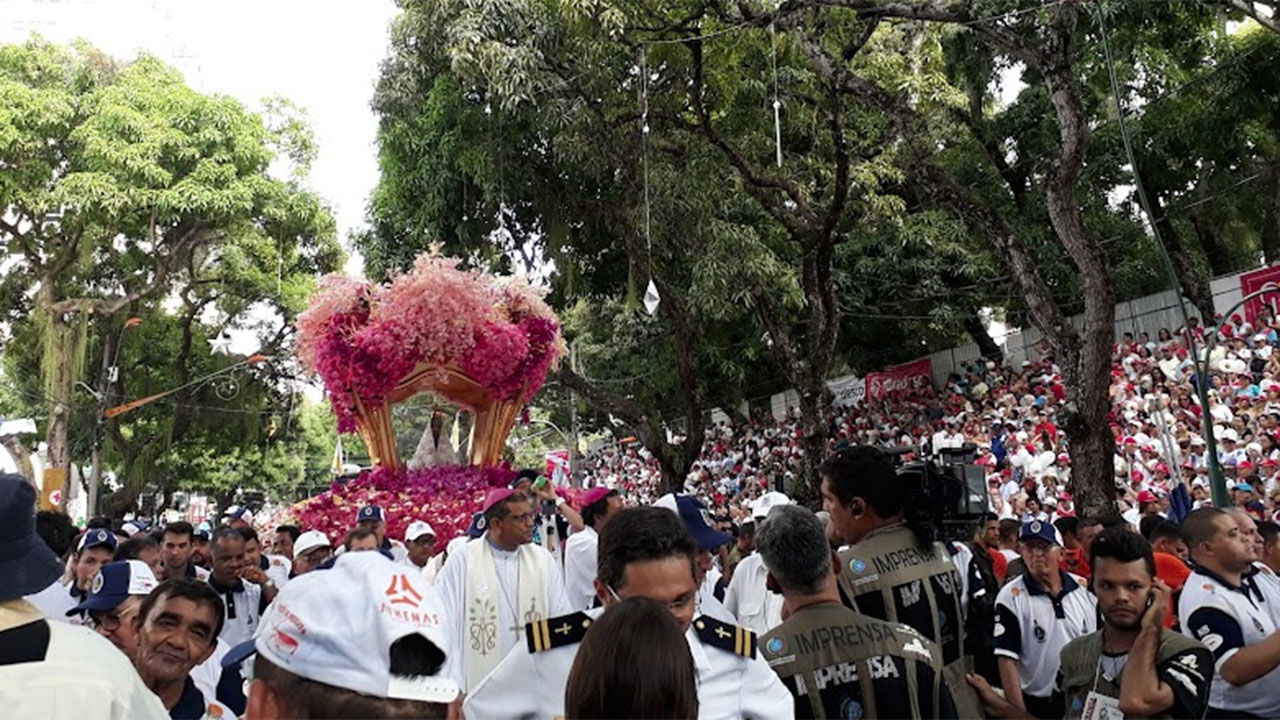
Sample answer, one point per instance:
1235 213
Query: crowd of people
724 599
1009 415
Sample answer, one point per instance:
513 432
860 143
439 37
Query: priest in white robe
492 587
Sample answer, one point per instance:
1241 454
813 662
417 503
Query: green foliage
124 191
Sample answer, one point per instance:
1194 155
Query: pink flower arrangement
362 339
446 497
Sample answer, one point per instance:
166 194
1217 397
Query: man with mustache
177 629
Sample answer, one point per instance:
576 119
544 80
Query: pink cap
595 495
1135 475
496 496
1245 465
1064 496
1146 496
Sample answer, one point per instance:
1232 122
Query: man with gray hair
836 662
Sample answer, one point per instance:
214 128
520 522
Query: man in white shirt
245 589
310 551
755 606
644 552
177 546
708 539
599 504
52 669
277 568
1223 606
372 518
420 542
1037 614
492 588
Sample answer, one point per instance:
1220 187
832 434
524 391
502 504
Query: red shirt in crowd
1074 561
1174 572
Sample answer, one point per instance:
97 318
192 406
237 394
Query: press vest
839 664
1189 678
890 576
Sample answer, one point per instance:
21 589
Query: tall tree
119 184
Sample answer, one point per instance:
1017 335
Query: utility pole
108 376
574 478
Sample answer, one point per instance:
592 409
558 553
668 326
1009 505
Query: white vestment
505 627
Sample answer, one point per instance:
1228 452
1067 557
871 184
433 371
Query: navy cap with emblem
477 526
370 513
97 537
114 583
1039 530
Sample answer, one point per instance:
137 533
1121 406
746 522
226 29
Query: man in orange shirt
1073 557
1171 553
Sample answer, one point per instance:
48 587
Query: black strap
25 643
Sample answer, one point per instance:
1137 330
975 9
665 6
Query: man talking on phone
1133 666
1133 662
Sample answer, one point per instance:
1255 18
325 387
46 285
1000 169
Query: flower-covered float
481 342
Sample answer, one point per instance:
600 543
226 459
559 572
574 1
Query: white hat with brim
379 602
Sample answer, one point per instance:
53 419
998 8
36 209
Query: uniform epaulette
556 632
734 639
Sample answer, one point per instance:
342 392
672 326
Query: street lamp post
1217 482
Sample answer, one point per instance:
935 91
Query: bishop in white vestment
491 587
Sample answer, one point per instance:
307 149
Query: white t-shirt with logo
1032 627
1225 618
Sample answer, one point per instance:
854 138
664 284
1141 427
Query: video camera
945 498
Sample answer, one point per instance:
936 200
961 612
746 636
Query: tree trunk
990 350
1086 370
674 461
813 440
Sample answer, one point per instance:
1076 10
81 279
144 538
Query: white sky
322 54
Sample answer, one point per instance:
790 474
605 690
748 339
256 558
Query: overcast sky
322 54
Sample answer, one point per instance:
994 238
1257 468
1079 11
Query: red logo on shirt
404 594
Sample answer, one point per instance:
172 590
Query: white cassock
451 588
580 554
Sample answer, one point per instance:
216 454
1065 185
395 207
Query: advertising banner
907 376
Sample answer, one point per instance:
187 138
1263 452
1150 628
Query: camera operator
892 570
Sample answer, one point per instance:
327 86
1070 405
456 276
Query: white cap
417 529
236 512
129 529
379 602
309 540
668 502
766 502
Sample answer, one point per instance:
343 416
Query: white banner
848 390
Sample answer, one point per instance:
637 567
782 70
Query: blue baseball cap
1243 487
477 526
97 537
200 535
114 583
370 513
695 519
1039 530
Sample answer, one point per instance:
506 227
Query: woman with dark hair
633 662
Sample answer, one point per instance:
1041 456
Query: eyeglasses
677 607
1037 549
110 621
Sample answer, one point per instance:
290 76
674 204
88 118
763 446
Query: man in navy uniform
643 552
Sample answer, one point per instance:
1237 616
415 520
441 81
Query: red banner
1254 281
914 375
